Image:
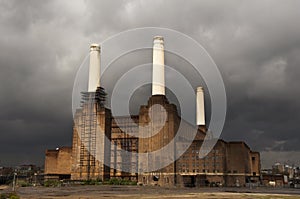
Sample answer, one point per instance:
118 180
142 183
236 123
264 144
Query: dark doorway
189 181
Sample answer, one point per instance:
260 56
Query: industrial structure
103 149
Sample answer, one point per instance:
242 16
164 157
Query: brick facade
58 163
228 164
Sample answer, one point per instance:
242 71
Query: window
253 158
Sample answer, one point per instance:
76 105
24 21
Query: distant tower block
200 107
94 70
158 72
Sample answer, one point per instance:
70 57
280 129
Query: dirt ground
135 192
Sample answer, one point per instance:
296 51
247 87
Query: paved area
109 192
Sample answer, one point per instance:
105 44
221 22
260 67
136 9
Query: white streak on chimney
94 69
158 70
200 107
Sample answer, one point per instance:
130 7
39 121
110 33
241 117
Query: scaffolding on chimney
91 104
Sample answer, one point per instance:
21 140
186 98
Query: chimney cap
95 47
158 38
199 89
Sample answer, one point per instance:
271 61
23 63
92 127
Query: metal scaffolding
91 104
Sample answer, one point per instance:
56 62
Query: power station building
103 148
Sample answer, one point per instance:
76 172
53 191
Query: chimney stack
200 107
94 69
158 70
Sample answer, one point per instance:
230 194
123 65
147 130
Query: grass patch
9 196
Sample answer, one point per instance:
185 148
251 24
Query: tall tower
94 69
159 121
200 114
92 128
158 70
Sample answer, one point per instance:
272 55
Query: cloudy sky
256 45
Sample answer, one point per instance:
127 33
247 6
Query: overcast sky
256 45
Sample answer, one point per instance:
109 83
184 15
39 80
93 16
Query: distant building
6 174
58 163
280 175
99 136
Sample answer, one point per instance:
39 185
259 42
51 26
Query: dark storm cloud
256 45
38 63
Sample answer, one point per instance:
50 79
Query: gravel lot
108 192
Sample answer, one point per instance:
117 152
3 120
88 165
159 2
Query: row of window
196 157
197 170
216 164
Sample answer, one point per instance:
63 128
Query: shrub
25 184
52 183
91 182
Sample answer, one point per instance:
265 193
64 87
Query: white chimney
158 72
200 107
94 70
